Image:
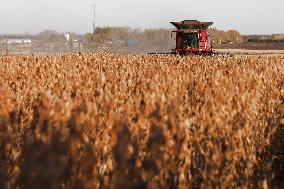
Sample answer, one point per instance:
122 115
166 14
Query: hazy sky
246 16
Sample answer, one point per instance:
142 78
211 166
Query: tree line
122 39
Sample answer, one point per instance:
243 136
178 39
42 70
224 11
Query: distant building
19 41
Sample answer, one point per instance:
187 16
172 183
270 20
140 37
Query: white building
19 41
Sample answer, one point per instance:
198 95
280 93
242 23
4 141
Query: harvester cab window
190 40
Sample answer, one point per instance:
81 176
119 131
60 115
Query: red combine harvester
192 37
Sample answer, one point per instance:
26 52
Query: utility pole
94 22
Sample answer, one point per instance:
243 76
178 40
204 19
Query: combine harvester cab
192 37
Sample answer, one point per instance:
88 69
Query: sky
246 16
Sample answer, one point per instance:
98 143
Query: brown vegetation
124 39
222 37
125 121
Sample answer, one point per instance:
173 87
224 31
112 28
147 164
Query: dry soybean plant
138 121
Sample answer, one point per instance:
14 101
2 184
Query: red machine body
192 37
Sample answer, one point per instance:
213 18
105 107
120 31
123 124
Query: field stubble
137 121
